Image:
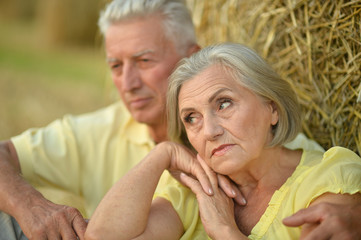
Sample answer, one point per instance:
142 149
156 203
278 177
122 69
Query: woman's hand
182 160
216 211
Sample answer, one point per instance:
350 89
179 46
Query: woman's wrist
163 152
228 232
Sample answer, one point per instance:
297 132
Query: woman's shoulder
337 170
333 156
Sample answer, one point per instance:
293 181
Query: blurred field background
52 60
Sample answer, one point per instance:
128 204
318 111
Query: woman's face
225 122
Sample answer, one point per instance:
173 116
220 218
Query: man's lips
139 102
221 149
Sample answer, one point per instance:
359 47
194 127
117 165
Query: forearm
123 213
14 190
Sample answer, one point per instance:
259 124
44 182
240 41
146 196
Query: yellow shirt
75 160
338 170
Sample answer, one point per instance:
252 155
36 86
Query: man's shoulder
115 113
116 109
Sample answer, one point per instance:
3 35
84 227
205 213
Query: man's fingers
317 233
67 232
79 226
69 223
306 215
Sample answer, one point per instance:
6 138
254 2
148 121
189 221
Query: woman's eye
224 104
189 119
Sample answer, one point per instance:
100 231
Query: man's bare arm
38 217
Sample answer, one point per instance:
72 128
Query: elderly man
53 177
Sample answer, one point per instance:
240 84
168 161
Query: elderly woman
235 114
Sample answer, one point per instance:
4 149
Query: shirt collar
134 131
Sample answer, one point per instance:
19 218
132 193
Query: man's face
141 60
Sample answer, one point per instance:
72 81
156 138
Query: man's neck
158 133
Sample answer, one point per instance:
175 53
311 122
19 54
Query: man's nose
130 79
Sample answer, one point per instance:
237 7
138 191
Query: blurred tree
18 9
69 22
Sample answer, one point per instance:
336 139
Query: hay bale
68 22
315 45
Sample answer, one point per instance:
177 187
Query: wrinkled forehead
205 84
136 36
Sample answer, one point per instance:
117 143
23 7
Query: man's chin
149 116
142 118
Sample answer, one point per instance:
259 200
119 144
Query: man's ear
193 49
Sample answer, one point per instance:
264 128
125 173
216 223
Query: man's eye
114 66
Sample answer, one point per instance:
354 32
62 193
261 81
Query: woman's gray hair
177 20
252 72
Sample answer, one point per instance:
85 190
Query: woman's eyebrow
214 95
186 110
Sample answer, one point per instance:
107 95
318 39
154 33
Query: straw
314 45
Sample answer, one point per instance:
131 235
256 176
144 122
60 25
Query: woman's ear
274 117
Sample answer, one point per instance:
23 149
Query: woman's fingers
212 176
217 180
230 189
192 183
183 160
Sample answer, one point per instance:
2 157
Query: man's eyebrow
138 54
110 60
135 55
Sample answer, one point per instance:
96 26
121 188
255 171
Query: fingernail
233 193
210 191
244 202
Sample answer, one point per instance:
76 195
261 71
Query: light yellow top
75 160
338 170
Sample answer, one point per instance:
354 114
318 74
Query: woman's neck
258 185
269 171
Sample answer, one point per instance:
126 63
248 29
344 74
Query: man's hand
46 220
38 218
328 221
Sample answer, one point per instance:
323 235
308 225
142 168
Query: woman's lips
221 150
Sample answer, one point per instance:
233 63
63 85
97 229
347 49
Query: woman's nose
212 129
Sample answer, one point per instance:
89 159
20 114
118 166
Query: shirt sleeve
49 156
339 173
